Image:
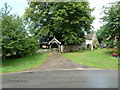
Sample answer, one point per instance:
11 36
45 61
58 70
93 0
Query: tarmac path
57 62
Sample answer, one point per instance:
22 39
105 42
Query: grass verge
19 64
100 58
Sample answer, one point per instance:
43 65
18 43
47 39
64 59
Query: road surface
62 79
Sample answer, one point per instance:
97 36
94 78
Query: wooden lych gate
55 41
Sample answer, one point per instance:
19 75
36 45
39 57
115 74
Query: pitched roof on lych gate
54 40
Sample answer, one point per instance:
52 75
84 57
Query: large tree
67 21
110 31
15 39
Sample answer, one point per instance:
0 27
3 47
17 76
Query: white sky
18 7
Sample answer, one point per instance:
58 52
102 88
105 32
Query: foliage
19 64
15 39
66 20
99 58
109 33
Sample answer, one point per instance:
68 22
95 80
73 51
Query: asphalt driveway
55 61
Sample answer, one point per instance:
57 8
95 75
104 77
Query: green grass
19 64
100 58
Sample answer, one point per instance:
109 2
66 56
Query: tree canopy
110 31
66 20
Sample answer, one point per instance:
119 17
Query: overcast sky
18 7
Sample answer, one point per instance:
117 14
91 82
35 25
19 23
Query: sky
18 7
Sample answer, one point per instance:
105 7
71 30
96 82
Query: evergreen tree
15 39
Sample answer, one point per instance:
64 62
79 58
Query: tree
15 39
102 34
67 21
109 32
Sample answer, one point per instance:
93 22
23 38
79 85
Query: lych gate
54 41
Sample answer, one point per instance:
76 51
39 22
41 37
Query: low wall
69 48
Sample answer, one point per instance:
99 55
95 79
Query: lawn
19 64
100 58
